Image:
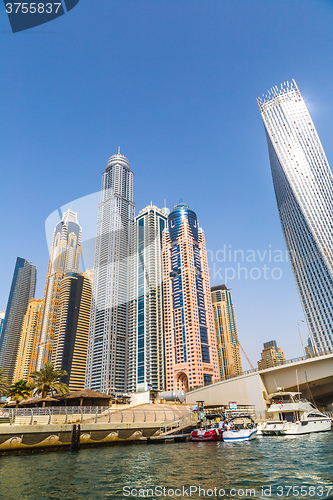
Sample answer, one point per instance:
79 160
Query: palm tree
19 390
47 379
3 383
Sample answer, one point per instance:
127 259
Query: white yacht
289 414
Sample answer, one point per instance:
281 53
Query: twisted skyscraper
303 186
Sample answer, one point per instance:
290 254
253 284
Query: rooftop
275 91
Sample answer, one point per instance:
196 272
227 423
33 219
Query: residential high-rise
309 352
108 335
230 363
71 334
2 318
21 291
190 341
303 186
146 331
64 257
271 356
28 341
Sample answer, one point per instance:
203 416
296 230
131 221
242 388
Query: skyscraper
146 331
108 335
64 257
21 291
2 318
190 342
28 341
71 334
271 356
303 186
230 363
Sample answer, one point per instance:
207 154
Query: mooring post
74 443
78 434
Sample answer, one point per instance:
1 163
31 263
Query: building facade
28 341
108 336
271 356
309 352
64 257
2 319
230 363
146 364
190 342
72 329
22 290
303 186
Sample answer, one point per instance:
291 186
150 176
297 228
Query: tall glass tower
21 291
190 341
2 318
146 332
108 333
303 186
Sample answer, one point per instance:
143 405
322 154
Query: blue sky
174 83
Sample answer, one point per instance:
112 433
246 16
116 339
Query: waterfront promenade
39 428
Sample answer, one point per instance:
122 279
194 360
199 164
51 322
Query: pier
74 427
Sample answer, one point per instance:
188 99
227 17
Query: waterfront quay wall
42 428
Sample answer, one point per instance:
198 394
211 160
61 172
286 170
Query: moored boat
291 415
242 428
206 434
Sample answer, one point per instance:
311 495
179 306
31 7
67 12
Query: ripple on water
101 473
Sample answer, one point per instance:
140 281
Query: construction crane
246 356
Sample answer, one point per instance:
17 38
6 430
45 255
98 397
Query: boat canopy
233 416
212 416
285 397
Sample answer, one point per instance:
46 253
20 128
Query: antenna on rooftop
118 150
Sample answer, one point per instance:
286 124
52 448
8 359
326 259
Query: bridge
313 376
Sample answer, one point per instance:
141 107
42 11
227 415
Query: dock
76 427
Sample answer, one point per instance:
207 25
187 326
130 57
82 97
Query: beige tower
71 335
271 356
230 363
190 342
28 341
64 257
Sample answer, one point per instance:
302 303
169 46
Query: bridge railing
293 360
254 370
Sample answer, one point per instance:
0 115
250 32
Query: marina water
268 467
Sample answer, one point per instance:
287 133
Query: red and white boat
204 434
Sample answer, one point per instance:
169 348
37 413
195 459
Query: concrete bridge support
314 377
